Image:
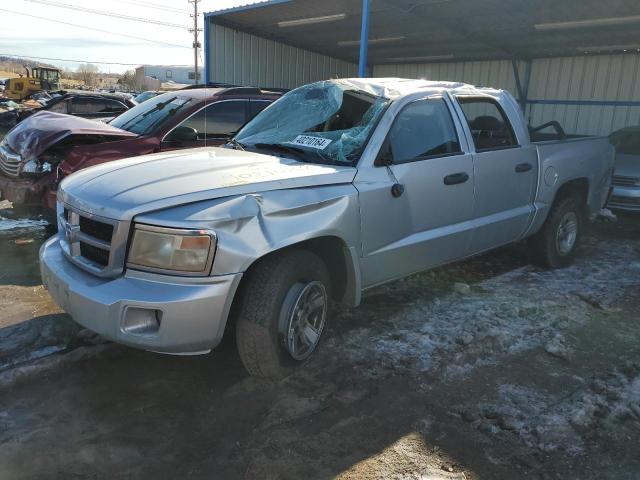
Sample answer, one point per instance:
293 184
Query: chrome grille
624 201
9 161
624 181
88 241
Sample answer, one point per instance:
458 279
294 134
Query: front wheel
283 307
555 244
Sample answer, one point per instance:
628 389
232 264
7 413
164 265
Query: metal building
575 61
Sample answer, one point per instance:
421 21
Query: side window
60 107
256 106
489 125
218 120
87 105
421 130
114 106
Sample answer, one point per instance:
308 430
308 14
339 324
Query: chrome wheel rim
306 319
567 233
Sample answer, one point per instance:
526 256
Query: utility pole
196 43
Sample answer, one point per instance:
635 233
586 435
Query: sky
22 34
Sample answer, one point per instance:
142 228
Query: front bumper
625 198
191 313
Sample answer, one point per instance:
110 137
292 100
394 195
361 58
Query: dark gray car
626 178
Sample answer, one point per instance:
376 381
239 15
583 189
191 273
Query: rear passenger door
505 174
213 124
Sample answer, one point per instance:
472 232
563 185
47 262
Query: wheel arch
341 260
578 186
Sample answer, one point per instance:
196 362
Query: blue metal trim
527 79
516 74
207 51
242 8
364 39
601 103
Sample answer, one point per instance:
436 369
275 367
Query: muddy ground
486 369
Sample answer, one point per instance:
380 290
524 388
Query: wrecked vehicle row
337 187
39 152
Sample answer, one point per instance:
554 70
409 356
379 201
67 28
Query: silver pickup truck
337 187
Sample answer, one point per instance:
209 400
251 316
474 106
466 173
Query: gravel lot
486 369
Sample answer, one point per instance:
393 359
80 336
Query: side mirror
182 134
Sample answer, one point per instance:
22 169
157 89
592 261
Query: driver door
416 212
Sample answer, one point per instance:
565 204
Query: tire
273 290
553 245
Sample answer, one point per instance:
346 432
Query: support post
522 87
207 51
196 42
364 39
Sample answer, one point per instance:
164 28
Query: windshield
146 117
324 122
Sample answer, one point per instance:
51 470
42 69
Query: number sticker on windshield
311 142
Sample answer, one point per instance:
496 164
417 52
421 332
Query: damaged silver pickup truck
337 187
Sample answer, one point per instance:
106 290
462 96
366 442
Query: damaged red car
44 148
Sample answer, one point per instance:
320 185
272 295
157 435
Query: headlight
35 167
176 250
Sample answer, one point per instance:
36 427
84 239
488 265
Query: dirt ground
486 369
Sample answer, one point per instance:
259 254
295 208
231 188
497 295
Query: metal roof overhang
413 31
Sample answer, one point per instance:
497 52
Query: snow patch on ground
517 311
7 224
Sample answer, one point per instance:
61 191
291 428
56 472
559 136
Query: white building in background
152 76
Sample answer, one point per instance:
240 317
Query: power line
108 14
154 5
13 55
94 29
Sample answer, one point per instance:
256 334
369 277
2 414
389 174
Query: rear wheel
283 307
555 244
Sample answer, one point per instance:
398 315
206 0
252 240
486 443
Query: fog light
141 321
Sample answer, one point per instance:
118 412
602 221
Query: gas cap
550 176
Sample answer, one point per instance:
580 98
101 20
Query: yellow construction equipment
37 79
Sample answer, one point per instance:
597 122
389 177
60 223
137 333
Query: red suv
37 153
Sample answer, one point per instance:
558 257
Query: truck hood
627 165
35 134
124 188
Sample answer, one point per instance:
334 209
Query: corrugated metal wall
245 59
614 78
601 78
495 73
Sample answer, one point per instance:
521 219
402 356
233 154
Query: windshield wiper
235 144
158 107
299 153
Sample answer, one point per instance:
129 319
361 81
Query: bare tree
128 79
87 72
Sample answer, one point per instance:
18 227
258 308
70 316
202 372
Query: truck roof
393 87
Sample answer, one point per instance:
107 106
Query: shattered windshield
323 122
146 117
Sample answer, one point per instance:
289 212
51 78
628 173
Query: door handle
456 178
523 167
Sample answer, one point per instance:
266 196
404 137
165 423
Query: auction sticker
311 142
